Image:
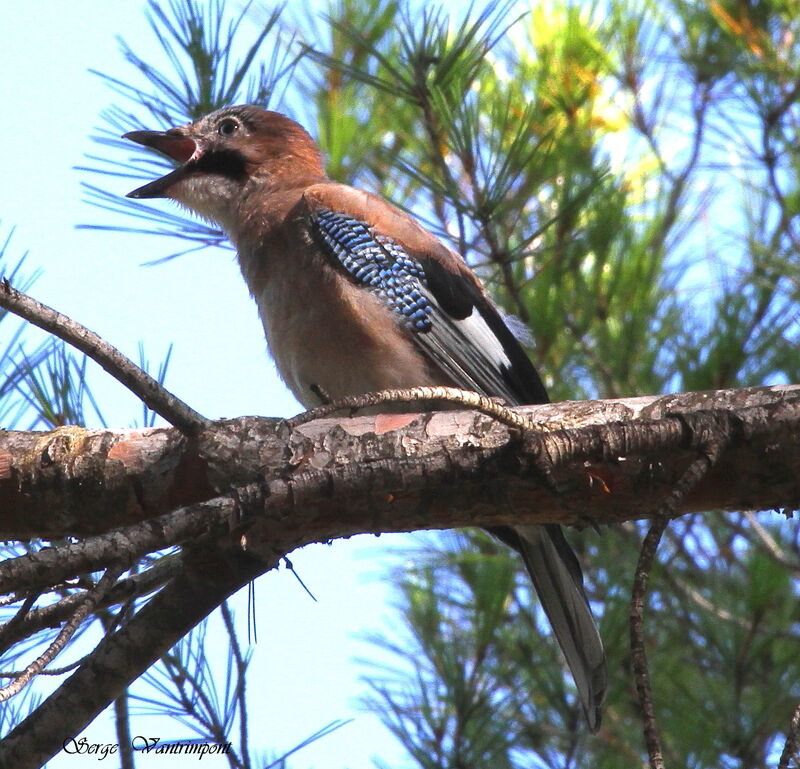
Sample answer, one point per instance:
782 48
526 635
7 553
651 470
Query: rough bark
604 460
258 487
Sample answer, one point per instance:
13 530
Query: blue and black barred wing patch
377 263
451 322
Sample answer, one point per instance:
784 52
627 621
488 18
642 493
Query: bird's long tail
558 580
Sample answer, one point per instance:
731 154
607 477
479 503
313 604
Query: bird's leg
320 392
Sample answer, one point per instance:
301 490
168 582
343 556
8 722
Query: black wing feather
451 320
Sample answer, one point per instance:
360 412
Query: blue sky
303 675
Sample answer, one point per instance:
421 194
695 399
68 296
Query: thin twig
791 748
50 671
56 564
638 655
147 389
89 603
9 599
8 628
700 600
466 398
774 549
126 589
716 442
188 598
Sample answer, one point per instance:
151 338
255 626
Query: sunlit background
648 231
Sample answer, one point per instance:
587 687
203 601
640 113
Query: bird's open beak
174 144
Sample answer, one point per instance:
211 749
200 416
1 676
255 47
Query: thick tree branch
280 485
606 460
89 482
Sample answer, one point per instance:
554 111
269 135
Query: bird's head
222 155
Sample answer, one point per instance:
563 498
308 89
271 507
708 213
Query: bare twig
90 600
700 600
109 628
9 599
638 654
715 444
8 628
774 549
127 653
54 565
174 410
126 589
49 672
466 398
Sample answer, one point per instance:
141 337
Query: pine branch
142 385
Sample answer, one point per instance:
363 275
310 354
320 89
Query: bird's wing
440 304
436 297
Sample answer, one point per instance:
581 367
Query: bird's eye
227 127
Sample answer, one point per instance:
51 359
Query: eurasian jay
355 296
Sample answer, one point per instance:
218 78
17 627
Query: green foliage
55 389
451 703
620 180
624 176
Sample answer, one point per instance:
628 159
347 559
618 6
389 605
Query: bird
355 296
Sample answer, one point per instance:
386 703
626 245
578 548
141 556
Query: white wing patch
468 350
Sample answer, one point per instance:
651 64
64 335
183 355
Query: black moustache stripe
228 163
